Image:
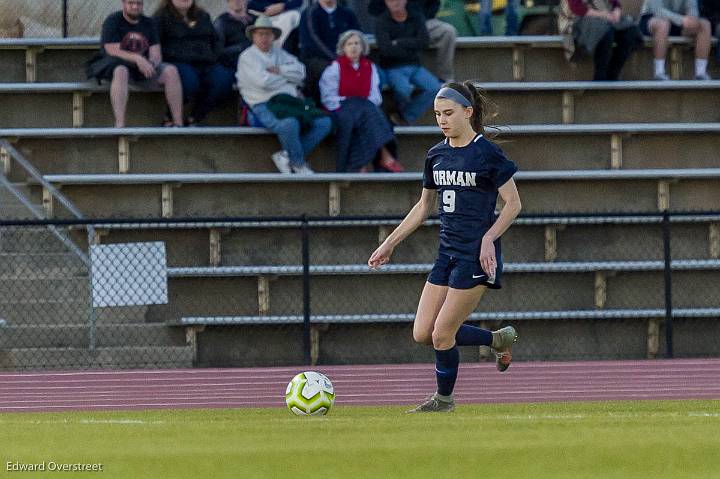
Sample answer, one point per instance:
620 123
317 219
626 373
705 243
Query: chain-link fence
71 18
242 292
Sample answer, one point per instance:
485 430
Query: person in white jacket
264 71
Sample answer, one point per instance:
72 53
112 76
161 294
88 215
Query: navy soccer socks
446 370
473 336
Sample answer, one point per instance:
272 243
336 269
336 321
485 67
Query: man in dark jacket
442 34
284 14
320 28
401 35
710 9
230 27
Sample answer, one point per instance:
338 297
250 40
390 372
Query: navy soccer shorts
459 273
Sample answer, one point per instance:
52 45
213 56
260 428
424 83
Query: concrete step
67 311
10 207
20 290
78 336
379 293
42 265
347 245
500 60
29 109
393 197
564 147
38 239
78 358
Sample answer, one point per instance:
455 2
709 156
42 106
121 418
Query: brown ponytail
484 109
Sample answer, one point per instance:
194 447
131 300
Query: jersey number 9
448 201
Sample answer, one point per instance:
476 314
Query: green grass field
649 439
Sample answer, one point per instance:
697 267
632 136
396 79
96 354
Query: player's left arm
511 197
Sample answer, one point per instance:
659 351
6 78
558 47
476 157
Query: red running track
360 385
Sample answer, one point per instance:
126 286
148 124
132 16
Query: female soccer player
468 172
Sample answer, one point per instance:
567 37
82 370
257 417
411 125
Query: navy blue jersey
467 179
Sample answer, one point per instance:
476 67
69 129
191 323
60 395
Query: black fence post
668 285
65 18
306 290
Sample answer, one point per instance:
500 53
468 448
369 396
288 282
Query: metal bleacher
86 104
349 194
571 146
610 149
519 58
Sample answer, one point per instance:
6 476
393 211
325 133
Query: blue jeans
206 85
404 80
288 132
511 17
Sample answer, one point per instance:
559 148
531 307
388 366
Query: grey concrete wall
388 343
488 63
379 293
386 198
54 110
190 247
251 153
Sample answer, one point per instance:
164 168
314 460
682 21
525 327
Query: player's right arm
417 215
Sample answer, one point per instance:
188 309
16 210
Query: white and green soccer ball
310 394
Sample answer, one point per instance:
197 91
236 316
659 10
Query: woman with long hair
189 41
467 172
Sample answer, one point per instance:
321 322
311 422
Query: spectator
598 28
190 42
401 35
511 17
710 9
284 14
266 72
230 27
130 51
660 18
350 88
320 28
442 35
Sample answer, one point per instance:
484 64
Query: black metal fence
273 291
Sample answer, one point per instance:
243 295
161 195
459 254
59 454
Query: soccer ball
310 394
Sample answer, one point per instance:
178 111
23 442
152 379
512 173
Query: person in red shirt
606 34
350 89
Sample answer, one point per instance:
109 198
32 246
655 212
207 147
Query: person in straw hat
266 71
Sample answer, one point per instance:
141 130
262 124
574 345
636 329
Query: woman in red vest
350 89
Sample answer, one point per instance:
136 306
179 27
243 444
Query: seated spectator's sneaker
282 161
661 77
703 77
392 165
502 344
434 404
302 170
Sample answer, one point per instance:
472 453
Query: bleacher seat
582 147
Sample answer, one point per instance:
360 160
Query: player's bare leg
455 309
431 300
